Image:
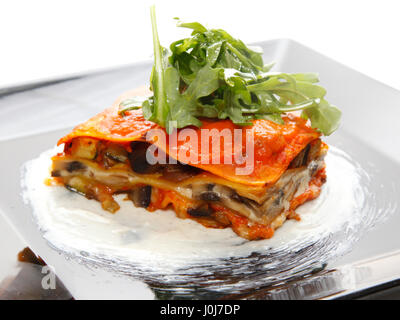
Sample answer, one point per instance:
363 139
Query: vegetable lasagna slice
107 155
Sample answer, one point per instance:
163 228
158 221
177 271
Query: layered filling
98 169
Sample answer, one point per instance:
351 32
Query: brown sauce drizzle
27 255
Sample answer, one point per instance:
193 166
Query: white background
44 39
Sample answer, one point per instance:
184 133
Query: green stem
158 85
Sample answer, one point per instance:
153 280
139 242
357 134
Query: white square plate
34 117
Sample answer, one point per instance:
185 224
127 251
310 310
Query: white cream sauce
72 223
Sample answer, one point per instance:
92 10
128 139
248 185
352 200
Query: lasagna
107 155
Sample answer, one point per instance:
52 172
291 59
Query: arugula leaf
323 116
157 111
211 74
197 27
205 83
184 106
131 104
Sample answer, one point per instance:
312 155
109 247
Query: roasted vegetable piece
85 148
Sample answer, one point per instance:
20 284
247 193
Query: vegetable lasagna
107 156
209 82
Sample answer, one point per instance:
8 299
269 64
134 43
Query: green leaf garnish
131 104
157 108
213 75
